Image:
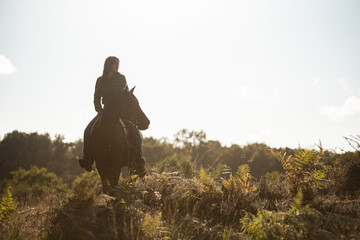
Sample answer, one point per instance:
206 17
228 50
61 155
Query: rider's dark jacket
107 88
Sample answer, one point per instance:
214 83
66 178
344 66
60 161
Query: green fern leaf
296 205
7 205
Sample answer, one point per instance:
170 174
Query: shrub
35 181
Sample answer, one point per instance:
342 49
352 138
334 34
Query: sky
283 73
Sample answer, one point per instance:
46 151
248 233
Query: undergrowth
180 200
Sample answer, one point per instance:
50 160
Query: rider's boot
86 161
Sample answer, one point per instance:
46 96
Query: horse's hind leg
114 177
104 179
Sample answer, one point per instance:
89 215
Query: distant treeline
19 149
23 150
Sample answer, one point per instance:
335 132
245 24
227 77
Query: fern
7 205
296 205
300 222
151 225
126 185
220 170
266 225
243 172
241 180
206 182
304 169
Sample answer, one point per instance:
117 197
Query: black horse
108 140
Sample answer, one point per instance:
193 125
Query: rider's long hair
109 62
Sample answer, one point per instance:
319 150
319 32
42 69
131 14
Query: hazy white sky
280 72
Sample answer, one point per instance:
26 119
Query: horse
108 138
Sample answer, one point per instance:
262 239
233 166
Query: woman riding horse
109 85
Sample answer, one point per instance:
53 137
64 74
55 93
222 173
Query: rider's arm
123 82
97 95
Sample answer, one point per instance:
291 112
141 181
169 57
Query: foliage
206 182
173 164
272 177
303 171
156 150
188 150
189 139
298 223
19 149
354 142
169 164
195 189
263 225
242 180
7 205
346 169
220 172
87 185
152 227
35 181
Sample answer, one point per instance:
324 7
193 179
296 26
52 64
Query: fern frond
296 205
243 170
7 205
319 176
126 184
304 157
203 175
151 225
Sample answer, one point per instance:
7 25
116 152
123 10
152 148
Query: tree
19 149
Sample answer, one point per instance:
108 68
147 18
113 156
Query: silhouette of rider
111 83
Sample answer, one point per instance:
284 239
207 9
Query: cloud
344 84
349 108
6 66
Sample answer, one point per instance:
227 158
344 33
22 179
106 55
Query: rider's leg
135 140
87 160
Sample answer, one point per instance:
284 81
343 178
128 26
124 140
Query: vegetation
195 189
7 205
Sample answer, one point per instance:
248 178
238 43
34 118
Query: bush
35 181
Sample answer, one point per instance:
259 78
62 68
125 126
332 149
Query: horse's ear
132 90
126 88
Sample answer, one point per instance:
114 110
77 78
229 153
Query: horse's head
127 107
